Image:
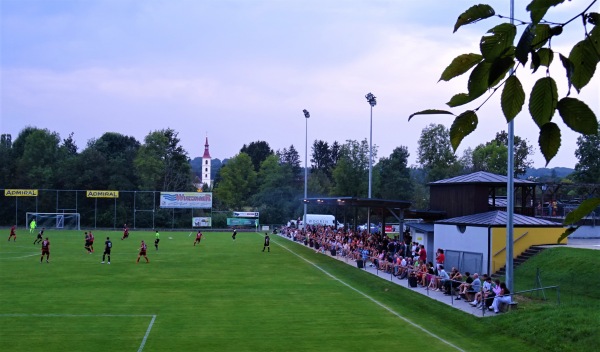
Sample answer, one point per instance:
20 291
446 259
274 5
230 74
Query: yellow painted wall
534 236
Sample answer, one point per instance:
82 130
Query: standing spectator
13 233
439 258
107 248
422 255
45 250
143 249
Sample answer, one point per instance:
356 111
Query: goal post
66 221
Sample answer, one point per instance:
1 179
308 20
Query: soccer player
32 226
125 232
143 249
13 233
39 236
234 234
87 243
267 243
107 248
156 239
45 250
91 238
198 237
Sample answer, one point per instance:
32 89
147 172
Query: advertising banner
245 214
20 192
102 194
241 222
186 200
201 222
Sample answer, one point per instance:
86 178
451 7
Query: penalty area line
372 299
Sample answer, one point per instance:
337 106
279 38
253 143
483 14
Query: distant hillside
542 173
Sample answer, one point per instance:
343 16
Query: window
205 162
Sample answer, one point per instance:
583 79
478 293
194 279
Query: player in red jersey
86 246
13 233
198 237
143 249
125 232
91 241
45 250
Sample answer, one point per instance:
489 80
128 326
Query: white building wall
473 239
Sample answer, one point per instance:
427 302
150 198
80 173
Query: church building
206 161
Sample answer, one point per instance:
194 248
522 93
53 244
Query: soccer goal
68 221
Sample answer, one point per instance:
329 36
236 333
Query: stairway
522 258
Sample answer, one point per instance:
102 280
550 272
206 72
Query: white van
317 219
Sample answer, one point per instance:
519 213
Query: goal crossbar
70 221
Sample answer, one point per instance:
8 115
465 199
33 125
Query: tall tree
276 197
587 169
351 172
394 181
258 152
434 153
37 163
491 157
522 152
291 158
162 164
237 182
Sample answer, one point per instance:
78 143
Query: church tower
206 159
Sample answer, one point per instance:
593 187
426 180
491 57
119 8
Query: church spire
206 152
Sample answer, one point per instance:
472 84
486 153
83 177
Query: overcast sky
242 71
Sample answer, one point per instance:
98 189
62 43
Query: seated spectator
454 282
429 275
470 288
463 286
481 295
502 297
441 278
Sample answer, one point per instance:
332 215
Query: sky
239 71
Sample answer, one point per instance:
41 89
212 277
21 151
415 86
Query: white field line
23 256
140 349
372 299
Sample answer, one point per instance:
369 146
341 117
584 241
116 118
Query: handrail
515 241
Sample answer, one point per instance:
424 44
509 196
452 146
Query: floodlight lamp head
306 113
371 99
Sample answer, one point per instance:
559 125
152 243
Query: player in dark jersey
198 237
13 233
143 249
234 234
45 250
125 232
39 236
267 243
107 248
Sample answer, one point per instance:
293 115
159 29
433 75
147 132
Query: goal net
68 221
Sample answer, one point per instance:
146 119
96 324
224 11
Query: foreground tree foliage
502 56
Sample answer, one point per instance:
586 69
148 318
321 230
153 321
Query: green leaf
493 46
499 69
584 57
464 124
546 56
543 100
566 234
478 80
460 99
549 141
513 98
473 14
543 32
535 61
430 112
538 8
569 68
584 209
578 116
524 46
460 65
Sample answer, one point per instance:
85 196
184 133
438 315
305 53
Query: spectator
439 258
482 295
462 288
441 278
502 297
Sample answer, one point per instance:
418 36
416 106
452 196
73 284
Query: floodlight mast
372 101
306 116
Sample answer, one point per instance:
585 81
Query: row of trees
259 178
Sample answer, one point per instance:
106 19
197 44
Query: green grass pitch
218 296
